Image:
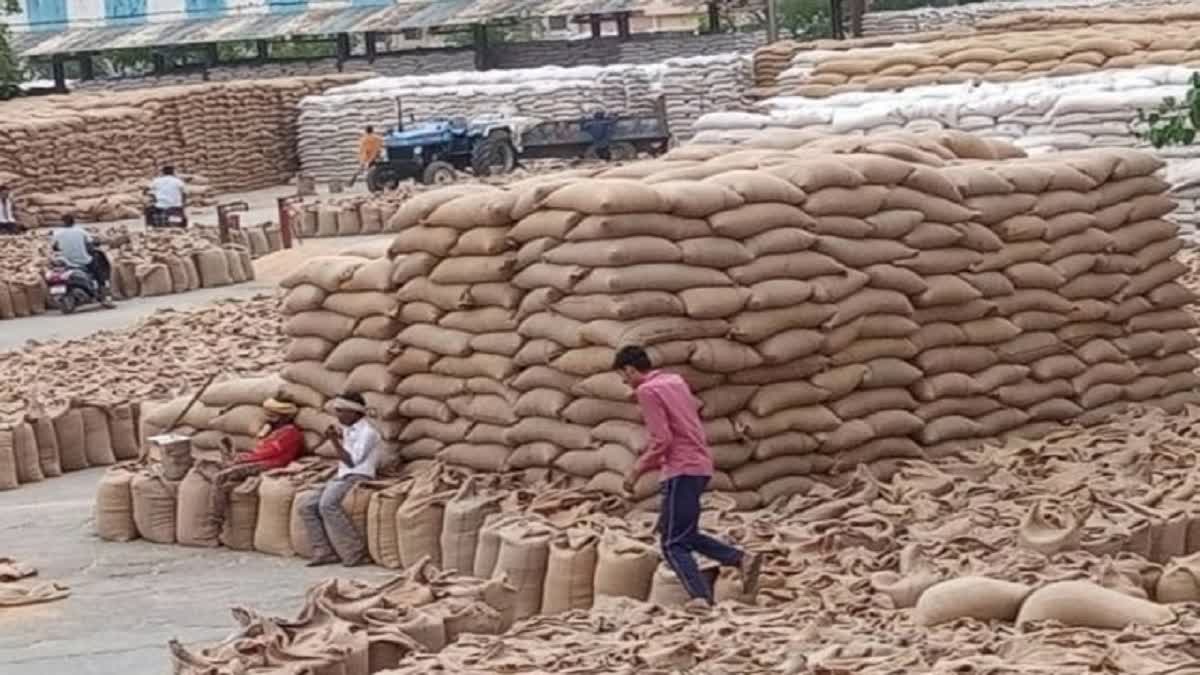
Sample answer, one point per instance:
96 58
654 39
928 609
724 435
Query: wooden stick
192 402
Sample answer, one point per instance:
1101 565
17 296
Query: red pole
285 222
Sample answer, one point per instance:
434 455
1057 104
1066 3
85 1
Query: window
412 33
558 23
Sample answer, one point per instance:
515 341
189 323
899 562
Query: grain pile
331 123
1004 57
65 406
240 135
951 562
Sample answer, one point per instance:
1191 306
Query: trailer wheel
438 173
494 155
622 152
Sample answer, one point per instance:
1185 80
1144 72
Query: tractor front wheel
438 173
495 155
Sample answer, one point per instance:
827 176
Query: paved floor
127 599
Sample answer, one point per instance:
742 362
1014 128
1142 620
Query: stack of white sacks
331 123
1040 115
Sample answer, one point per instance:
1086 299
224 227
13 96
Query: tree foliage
1174 121
11 72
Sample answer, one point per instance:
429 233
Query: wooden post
623 25
342 48
264 49
369 40
483 50
714 18
87 68
597 26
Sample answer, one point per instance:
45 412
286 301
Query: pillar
87 68
597 26
60 73
623 26
264 49
483 55
342 49
714 18
369 40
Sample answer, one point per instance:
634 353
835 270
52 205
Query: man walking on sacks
677 447
330 528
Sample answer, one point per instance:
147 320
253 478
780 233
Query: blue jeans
679 525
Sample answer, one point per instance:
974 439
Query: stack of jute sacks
257 240
340 313
350 215
102 204
239 135
991 58
829 311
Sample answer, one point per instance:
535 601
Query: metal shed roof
386 18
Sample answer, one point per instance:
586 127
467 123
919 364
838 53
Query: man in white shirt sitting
170 195
330 528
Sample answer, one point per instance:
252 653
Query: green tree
11 72
803 19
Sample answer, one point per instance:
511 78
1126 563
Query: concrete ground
127 599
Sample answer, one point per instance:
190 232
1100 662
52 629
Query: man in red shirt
676 446
280 443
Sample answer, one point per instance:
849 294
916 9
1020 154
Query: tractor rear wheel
495 155
438 173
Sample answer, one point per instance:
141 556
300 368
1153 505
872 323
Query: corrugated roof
390 18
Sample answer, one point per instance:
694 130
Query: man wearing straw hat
280 442
330 528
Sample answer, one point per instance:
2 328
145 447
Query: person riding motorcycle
79 250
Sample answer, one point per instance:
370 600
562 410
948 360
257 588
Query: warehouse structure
185 35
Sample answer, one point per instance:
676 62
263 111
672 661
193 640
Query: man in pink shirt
677 448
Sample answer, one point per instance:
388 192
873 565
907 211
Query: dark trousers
10 228
679 525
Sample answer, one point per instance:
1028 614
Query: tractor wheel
438 173
623 152
380 179
494 155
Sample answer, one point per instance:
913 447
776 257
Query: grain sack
241 516
71 440
114 505
382 533
488 545
522 561
193 524
1083 604
667 591
297 531
570 571
970 597
122 427
463 517
272 526
154 507
213 266
1179 582
8 462
47 444
624 567
419 528
25 454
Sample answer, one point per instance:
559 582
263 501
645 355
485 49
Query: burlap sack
154 507
272 526
114 505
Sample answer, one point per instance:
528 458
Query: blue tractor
433 151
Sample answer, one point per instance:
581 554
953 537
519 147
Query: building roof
403 14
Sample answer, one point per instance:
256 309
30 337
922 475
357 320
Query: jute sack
122 427
114 505
8 461
523 558
154 507
570 571
419 528
25 454
47 445
463 517
1083 604
624 567
237 532
970 597
1180 581
487 549
192 523
272 526
297 531
666 589
382 534
69 430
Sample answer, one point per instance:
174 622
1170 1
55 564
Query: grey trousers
330 529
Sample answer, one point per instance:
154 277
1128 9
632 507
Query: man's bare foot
751 568
323 560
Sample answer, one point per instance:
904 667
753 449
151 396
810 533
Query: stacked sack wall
239 135
1022 15
1060 114
331 123
1004 57
828 312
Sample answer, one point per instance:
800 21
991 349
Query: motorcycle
70 288
156 217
